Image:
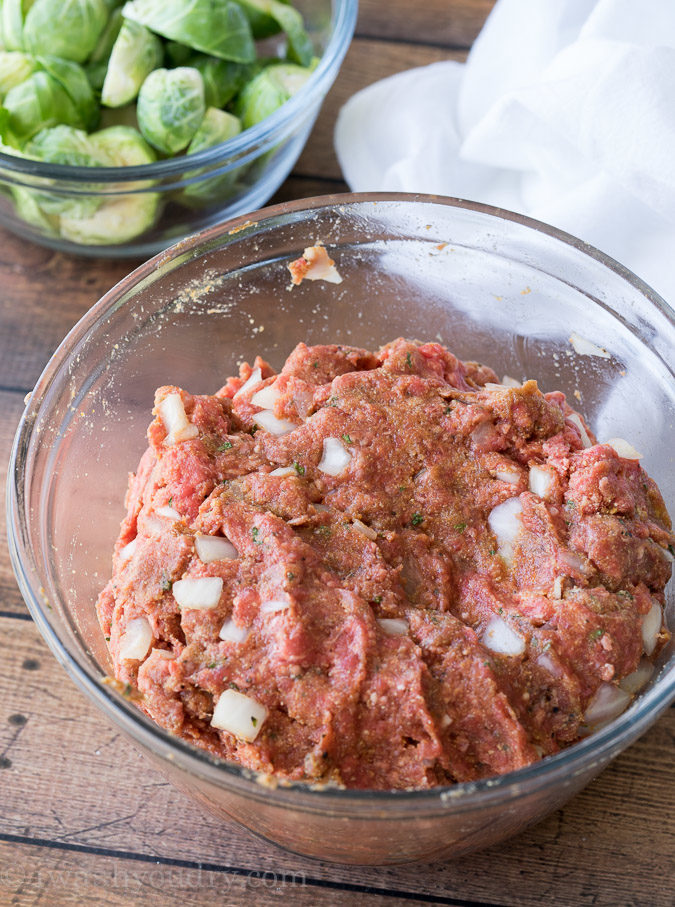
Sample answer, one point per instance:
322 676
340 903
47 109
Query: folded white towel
565 111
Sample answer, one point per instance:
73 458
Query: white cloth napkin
564 110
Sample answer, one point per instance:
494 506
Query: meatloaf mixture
384 570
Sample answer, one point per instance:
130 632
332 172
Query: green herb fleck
347 439
417 519
254 429
226 445
255 532
166 583
408 360
170 500
460 527
596 634
127 691
570 504
326 531
211 666
447 410
671 548
500 609
298 468
377 599
233 686
107 639
290 575
547 645
332 401
254 721
315 364
492 551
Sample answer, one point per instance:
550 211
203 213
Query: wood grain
75 782
447 23
11 407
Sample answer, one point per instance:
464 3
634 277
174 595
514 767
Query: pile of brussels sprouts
94 83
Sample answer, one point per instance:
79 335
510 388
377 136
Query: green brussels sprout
269 16
223 79
15 67
68 29
121 146
13 14
73 148
116 221
216 127
217 27
30 211
97 64
119 116
178 54
73 79
134 56
170 107
37 103
269 90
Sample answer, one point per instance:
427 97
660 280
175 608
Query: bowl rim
462 796
343 21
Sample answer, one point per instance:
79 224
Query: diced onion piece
508 381
500 637
393 626
267 397
505 522
586 348
607 703
322 508
127 552
267 420
541 481
364 530
200 593
335 458
321 265
624 449
512 476
136 639
557 587
214 548
546 662
172 414
169 512
575 419
284 471
240 715
640 677
446 721
253 379
491 386
232 632
651 627
573 561
164 654
273 606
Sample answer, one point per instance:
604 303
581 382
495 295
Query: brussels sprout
170 107
178 54
37 103
121 146
134 56
269 16
216 127
68 29
97 64
72 147
13 14
119 116
223 79
29 210
15 67
74 80
116 221
217 27
269 90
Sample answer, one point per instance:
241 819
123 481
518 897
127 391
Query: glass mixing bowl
491 285
140 210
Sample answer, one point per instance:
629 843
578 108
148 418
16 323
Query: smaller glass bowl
140 210
494 287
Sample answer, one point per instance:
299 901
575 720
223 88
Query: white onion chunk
500 637
136 640
198 593
335 458
214 548
239 715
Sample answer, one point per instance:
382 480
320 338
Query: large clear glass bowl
123 211
492 286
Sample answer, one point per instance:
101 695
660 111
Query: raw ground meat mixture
369 615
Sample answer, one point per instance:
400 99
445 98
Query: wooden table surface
83 819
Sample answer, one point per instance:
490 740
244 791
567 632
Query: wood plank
44 294
367 61
73 780
60 878
452 23
11 407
